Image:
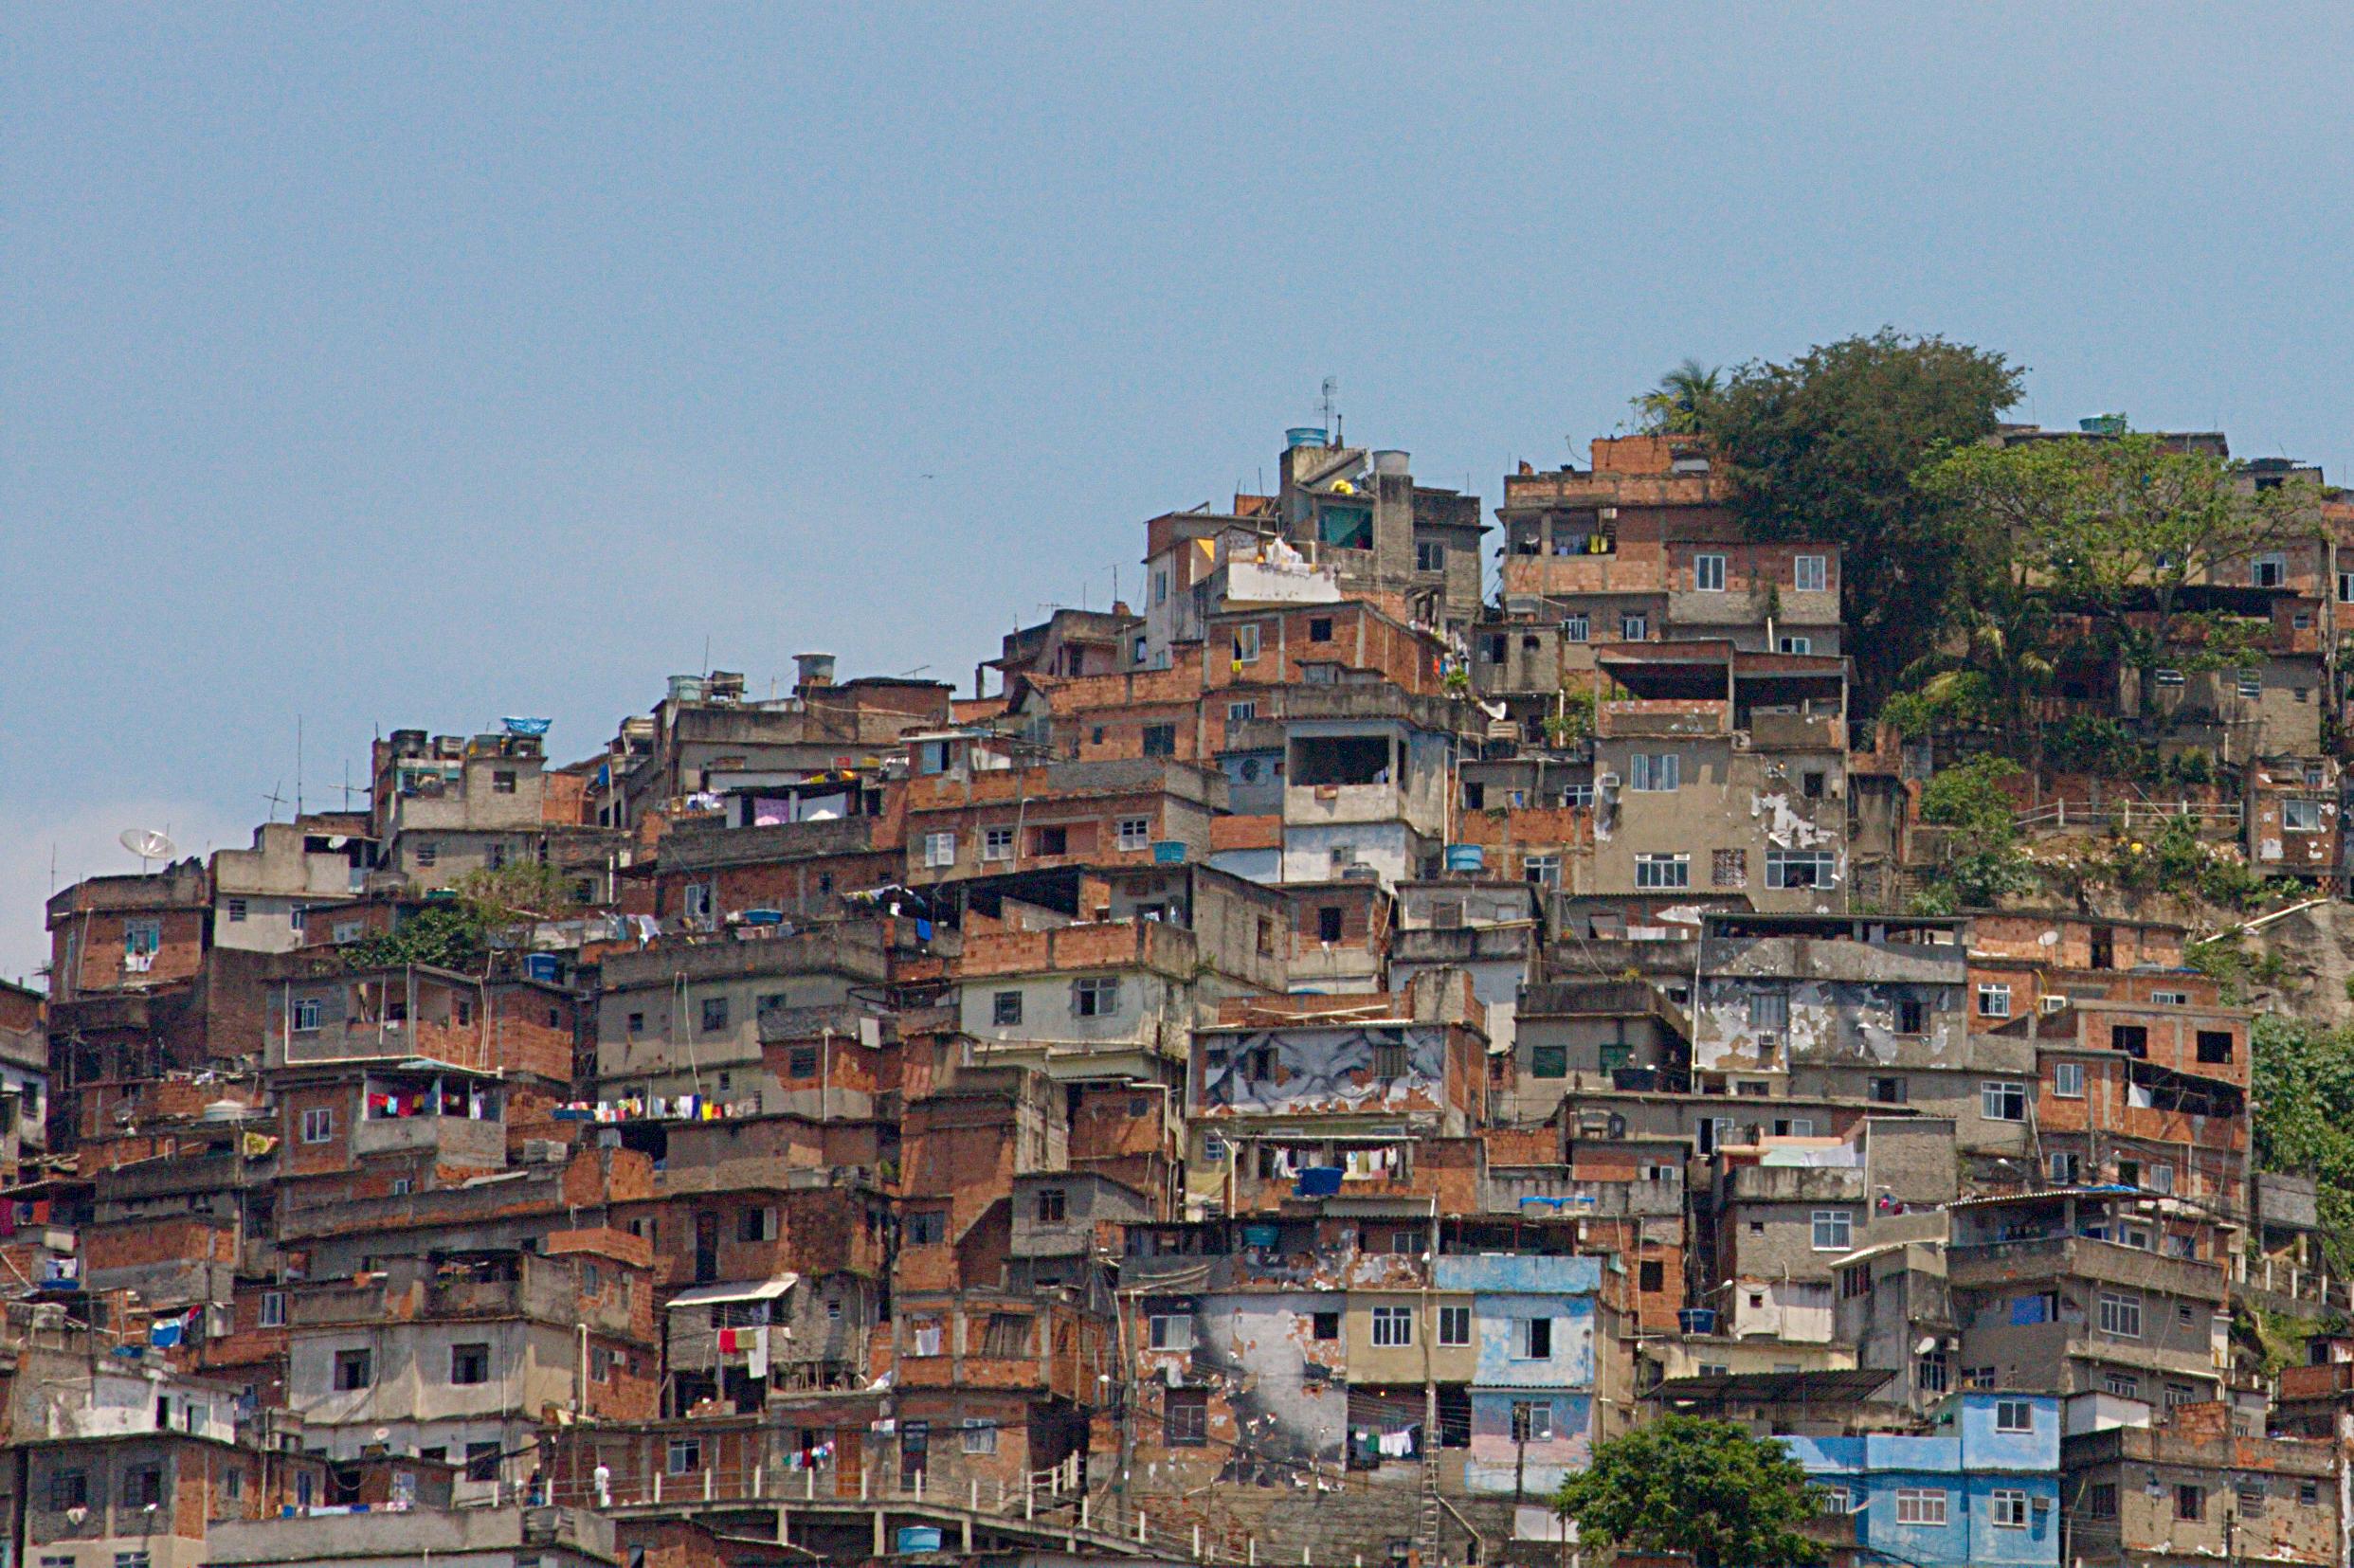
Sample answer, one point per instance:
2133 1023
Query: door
706 1247
915 1451
850 1459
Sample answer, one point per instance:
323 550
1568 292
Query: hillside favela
1796 959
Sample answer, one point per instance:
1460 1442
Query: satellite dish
147 843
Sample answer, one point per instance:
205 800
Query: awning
707 1295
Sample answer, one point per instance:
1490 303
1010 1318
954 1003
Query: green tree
2301 1082
1983 862
459 931
1687 1484
2122 530
1826 448
1680 404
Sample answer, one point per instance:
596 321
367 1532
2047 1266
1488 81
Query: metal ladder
1426 1521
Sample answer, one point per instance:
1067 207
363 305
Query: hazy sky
388 366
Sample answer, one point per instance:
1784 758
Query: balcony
454 1140
1797 732
1994 1264
1323 804
1650 718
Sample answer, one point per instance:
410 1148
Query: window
306 1016
236 911
1664 871
637 1024
755 1224
2010 1507
1930 1369
1050 840
601 1359
1005 1009
318 1124
1800 868
2301 816
1242 712
1575 628
1708 574
1634 628
2158 1178
1834 1229
980 1436
2014 1415
1655 773
1533 1420
1809 573
1920 1506
469 1363
1052 1204
997 843
1160 740
1887 1091
2190 1503
1770 1009
1096 997
2003 1102
927 1226
1795 644
1454 1326
1184 1417
1729 868
69 1490
1994 1000
1543 870
2068 1080
354 1370
1160 587
802 1061
1135 833
1328 923
1651 1275
141 937
2100 1500
2065 1170
1429 555
481 1461
1393 1325
132 1559
273 1309
940 850
2249 684
2121 1315
2269 571
685 1455
2308 1493
1548 1061
715 1012
1320 629
1170 1330
1532 1339
2131 1039
1324 1326
428 852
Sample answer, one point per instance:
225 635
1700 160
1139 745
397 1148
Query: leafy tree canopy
1688 1484
2302 1082
1679 406
1827 446
459 932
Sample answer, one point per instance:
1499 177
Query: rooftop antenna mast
1330 407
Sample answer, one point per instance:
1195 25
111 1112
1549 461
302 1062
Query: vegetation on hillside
2302 1083
459 932
1703 1488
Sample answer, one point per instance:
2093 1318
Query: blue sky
375 368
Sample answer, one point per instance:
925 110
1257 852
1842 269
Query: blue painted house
1533 1329
1982 1486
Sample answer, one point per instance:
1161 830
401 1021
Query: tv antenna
1330 405
276 798
147 843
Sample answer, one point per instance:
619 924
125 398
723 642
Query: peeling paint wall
1315 1072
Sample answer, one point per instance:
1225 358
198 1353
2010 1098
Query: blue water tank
540 966
1304 435
1467 857
1696 1320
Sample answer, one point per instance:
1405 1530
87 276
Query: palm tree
1678 405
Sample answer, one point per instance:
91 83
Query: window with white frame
980 1436
1834 1230
305 1015
1393 1325
1242 712
1920 1506
140 938
1809 573
2014 1415
1634 628
1993 999
2269 571
1802 645
1532 1339
2121 1315
318 1124
2010 1507
2002 1101
1800 868
1135 833
2068 1080
1096 997
997 843
1170 1330
2301 816
1544 870
1664 871
1654 772
2064 1167
273 1309
940 850
2122 1385
1246 644
1575 628
1708 574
